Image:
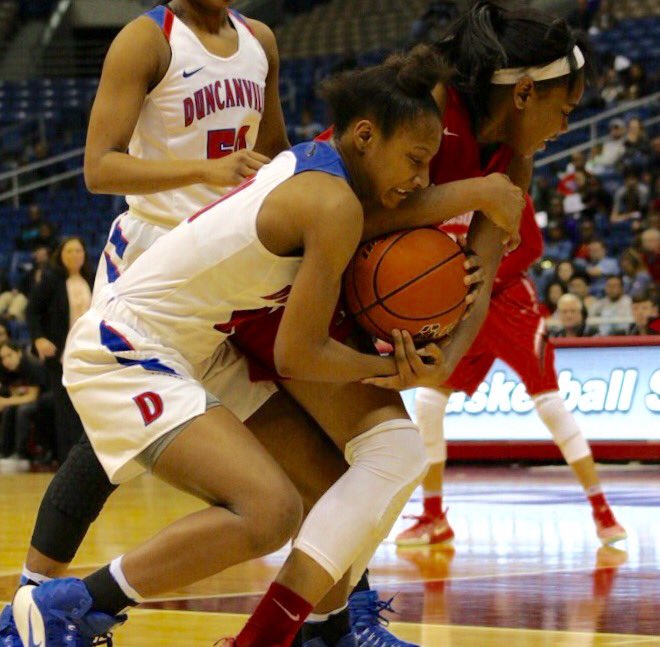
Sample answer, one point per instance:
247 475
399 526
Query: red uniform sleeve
516 263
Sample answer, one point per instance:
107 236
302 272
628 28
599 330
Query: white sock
119 577
34 577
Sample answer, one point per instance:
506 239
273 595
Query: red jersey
460 158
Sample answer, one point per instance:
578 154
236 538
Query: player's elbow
292 361
93 179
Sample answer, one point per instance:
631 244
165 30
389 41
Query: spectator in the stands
579 286
4 333
47 236
638 149
553 292
308 128
574 201
631 200
614 310
587 234
572 317
636 278
645 315
20 406
614 146
541 191
564 272
650 251
599 266
13 303
56 303
557 245
29 231
597 202
612 87
634 80
40 258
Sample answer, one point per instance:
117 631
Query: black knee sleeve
73 500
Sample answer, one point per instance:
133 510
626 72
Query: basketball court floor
526 569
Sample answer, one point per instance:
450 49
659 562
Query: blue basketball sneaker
349 640
368 623
8 633
57 614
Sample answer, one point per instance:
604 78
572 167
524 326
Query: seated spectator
552 294
597 202
579 285
4 333
564 272
308 128
614 310
572 317
29 230
19 405
599 266
40 258
566 184
635 85
650 252
614 146
586 233
574 202
631 200
638 149
636 279
12 301
612 87
557 245
645 315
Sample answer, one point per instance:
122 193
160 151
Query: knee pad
392 450
562 425
430 407
386 464
80 487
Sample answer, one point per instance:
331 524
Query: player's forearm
333 362
122 174
430 206
484 238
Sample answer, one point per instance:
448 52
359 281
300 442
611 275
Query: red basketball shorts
515 333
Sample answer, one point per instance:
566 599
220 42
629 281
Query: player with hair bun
281 239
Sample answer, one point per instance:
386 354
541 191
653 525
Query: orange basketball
411 280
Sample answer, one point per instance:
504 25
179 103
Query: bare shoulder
141 43
264 34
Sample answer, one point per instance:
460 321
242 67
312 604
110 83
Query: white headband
560 67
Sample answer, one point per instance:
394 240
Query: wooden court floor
526 569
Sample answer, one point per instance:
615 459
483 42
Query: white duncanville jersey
197 282
205 107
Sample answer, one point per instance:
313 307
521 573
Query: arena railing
19 189
652 101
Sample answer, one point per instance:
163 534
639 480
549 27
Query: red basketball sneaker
427 530
609 530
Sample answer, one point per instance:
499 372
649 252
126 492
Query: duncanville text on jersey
227 93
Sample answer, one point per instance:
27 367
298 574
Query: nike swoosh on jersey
295 618
446 131
187 75
31 642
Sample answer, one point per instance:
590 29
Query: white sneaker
14 465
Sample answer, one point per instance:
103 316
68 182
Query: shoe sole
606 541
28 619
441 540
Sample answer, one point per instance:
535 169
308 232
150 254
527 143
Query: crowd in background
599 275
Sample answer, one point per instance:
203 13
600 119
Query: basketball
411 280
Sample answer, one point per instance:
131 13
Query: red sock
433 506
598 500
276 620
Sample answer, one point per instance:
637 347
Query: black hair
546 293
395 92
583 276
15 346
493 35
56 258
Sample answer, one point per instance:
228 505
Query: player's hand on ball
503 202
233 169
474 280
424 367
